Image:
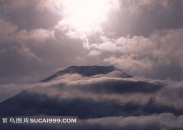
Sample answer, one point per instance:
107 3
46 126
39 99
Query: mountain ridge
87 71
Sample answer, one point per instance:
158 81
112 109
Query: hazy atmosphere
142 39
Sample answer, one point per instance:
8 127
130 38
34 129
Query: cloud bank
101 102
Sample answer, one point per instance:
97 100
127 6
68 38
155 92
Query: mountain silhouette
87 71
32 102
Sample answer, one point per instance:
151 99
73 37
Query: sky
143 38
40 37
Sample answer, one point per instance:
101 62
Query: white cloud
94 53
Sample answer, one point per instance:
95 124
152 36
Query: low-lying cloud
100 100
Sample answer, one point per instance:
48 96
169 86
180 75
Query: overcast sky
39 37
144 38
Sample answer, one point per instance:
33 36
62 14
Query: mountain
87 71
98 94
40 100
31 102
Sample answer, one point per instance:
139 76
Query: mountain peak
87 71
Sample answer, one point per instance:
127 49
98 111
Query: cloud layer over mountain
141 37
102 101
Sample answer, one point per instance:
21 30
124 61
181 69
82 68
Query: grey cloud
7 29
15 61
28 14
101 100
159 56
143 17
10 90
84 108
160 122
19 60
145 39
105 85
122 86
33 51
11 33
16 58
153 105
57 49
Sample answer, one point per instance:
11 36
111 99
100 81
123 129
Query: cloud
153 57
10 90
6 29
21 59
33 52
131 38
29 14
101 101
110 86
143 38
104 87
141 18
17 58
36 35
10 32
96 97
160 121
156 121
